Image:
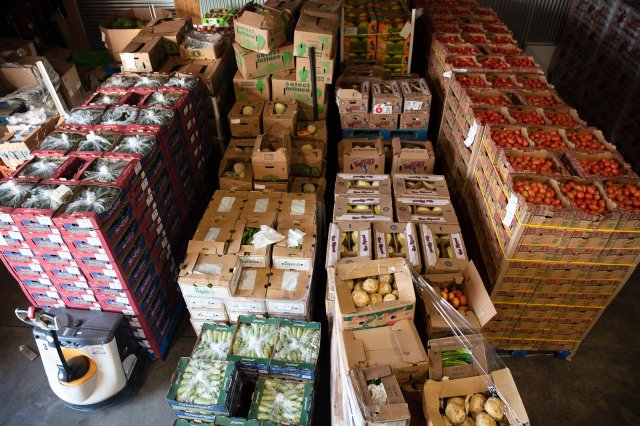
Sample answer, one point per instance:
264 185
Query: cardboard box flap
436 347
479 300
505 383
322 9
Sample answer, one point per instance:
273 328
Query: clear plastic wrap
150 81
33 117
83 116
201 382
97 141
164 99
105 170
198 39
213 345
255 340
281 401
42 167
297 344
155 116
121 115
94 199
107 98
119 80
42 197
12 193
60 141
136 144
265 236
182 82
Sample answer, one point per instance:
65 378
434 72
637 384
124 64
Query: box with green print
316 32
252 64
282 402
285 87
296 351
255 88
324 70
253 343
261 32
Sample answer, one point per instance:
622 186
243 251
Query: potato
238 169
375 298
247 110
395 293
309 188
494 407
446 421
385 288
385 278
371 285
389 298
483 419
476 403
468 421
357 286
455 411
279 108
362 184
360 298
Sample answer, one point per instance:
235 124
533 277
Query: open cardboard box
397 345
295 258
448 256
248 254
481 308
271 185
436 348
11 47
253 64
316 32
323 9
414 157
395 412
254 88
416 94
382 314
356 236
421 185
319 184
386 98
211 72
352 94
288 292
226 203
271 157
304 129
361 156
297 207
240 147
425 209
503 381
307 158
362 184
227 177
262 33
411 245
214 235
246 125
262 204
250 285
172 31
144 53
288 119
206 51
368 208
207 275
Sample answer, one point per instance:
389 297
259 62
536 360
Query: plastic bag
297 344
164 99
182 82
121 115
12 193
198 40
150 81
136 144
266 236
281 401
201 382
60 141
42 197
255 340
33 117
207 268
155 116
295 238
105 170
119 80
107 98
42 167
213 345
97 141
83 116
93 199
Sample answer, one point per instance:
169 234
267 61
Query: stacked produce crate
96 219
555 205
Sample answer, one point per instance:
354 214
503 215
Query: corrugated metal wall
532 21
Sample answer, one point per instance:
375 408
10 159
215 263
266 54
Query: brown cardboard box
421 185
214 235
262 204
320 185
227 177
172 31
303 131
261 33
417 96
17 142
252 64
386 98
227 203
319 33
383 121
71 86
207 275
271 158
244 126
251 288
298 207
22 72
425 209
382 314
115 40
305 111
322 9
324 70
435 391
354 120
361 156
414 120
481 309
206 51
307 158
395 411
248 254
257 88
211 72
285 87
415 157
387 241
188 8
290 6
443 249
288 119
11 47
398 346
368 208
349 242
288 292
55 54
352 94
271 185
240 148
143 53
361 184
295 258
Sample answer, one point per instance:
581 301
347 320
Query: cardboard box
421 185
417 96
285 87
307 158
143 53
290 6
261 33
361 184
296 207
305 131
22 72
207 275
211 72
349 242
240 148
443 249
425 209
473 343
298 258
11 47
414 157
229 179
265 205
369 208
397 240
319 33
17 142
116 39
384 121
354 120
288 119
172 31
398 346
382 314
248 254
252 64
288 292
70 84
386 98
271 185
300 184
414 120
215 235
395 411
256 88
206 50
322 9
352 94
361 156
324 70
242 125
251 289
271 158
481 309
435 391
227 203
